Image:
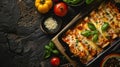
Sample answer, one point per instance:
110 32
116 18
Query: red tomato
60 9
55 61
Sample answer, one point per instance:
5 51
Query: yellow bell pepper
43 6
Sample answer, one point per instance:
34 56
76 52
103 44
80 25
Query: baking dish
65 50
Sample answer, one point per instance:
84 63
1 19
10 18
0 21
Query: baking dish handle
62 50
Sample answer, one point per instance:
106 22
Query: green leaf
67 1
95 38
105 26
74 1
48 48
91 26
95 32
47 54
55 52
89 1
77 41
51 44
86 33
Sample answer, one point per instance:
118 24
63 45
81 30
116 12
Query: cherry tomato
61 9
55 61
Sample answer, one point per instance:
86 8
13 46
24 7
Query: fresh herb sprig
89 1
74 2
50 49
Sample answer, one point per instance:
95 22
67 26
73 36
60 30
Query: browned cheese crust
85 47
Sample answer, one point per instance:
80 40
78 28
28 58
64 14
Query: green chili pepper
95 38
89 1
91 26
86 33
105 26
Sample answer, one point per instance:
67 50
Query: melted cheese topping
83 46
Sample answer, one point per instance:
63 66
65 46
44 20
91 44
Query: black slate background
21 39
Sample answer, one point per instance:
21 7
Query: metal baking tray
64 49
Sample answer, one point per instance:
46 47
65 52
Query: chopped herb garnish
105 26
86 33
91 26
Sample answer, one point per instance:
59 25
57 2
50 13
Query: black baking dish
59 40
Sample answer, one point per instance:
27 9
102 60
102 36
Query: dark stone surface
9 14
21 40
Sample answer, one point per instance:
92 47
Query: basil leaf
55 51
47 54
74 1
86 33
89 1
95 38
48 48
67 1
91 26
77 41
105 26
51 44
95 32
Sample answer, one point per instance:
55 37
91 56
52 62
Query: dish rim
56 18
